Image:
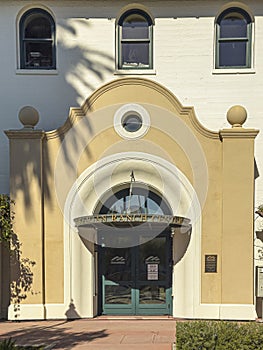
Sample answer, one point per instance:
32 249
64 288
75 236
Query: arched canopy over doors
125 212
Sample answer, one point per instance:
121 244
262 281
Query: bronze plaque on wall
211 263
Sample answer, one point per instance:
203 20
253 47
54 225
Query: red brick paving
99 333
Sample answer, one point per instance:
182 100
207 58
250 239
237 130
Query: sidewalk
97 334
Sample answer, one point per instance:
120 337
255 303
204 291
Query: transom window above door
135 200
135 37
233 39
37 40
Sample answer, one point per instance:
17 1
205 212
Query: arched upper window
37 40
141 200
233 39
135 29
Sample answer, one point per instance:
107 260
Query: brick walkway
97 334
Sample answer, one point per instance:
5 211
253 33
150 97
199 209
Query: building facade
135 170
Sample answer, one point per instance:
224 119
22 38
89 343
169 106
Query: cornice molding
25 134
88 106
238 133
181 110
74 115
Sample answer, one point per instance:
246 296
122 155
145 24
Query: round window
132 122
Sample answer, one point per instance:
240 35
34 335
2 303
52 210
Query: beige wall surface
213 163
238 218
216 234
26 190
184 50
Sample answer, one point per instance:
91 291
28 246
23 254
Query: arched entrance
87 200
135 265
134 227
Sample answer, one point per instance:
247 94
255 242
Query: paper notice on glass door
152 272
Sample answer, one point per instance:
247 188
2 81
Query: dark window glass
132 123
117 294
233 26
154 249
118 262
152 294
232 54
135 27
135 40
38 54
37 40
37 27
135 55
140 201
233 39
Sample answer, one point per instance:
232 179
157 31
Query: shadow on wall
71 313
83 69
259 307
21 279
5 280
181 242
86 66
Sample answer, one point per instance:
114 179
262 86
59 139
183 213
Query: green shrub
216 335
7 344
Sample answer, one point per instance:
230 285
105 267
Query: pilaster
26 189
238 214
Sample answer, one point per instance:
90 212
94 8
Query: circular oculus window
131 121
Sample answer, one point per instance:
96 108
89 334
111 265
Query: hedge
219 335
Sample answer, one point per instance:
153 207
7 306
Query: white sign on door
152 272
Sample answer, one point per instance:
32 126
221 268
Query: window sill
36 71
135 72
233 71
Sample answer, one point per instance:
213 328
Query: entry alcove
133 230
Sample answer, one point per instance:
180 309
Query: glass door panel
117 294
117 273
152 259
152 295
117 263
154 275
137 280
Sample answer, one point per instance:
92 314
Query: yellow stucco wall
227 213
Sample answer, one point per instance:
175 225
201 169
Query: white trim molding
26 312
125 110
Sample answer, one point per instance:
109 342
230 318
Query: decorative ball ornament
28 116
236 116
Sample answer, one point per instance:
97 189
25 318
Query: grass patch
219 335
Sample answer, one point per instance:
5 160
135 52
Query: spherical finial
28 116
236 116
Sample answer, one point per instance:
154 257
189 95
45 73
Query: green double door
136 280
